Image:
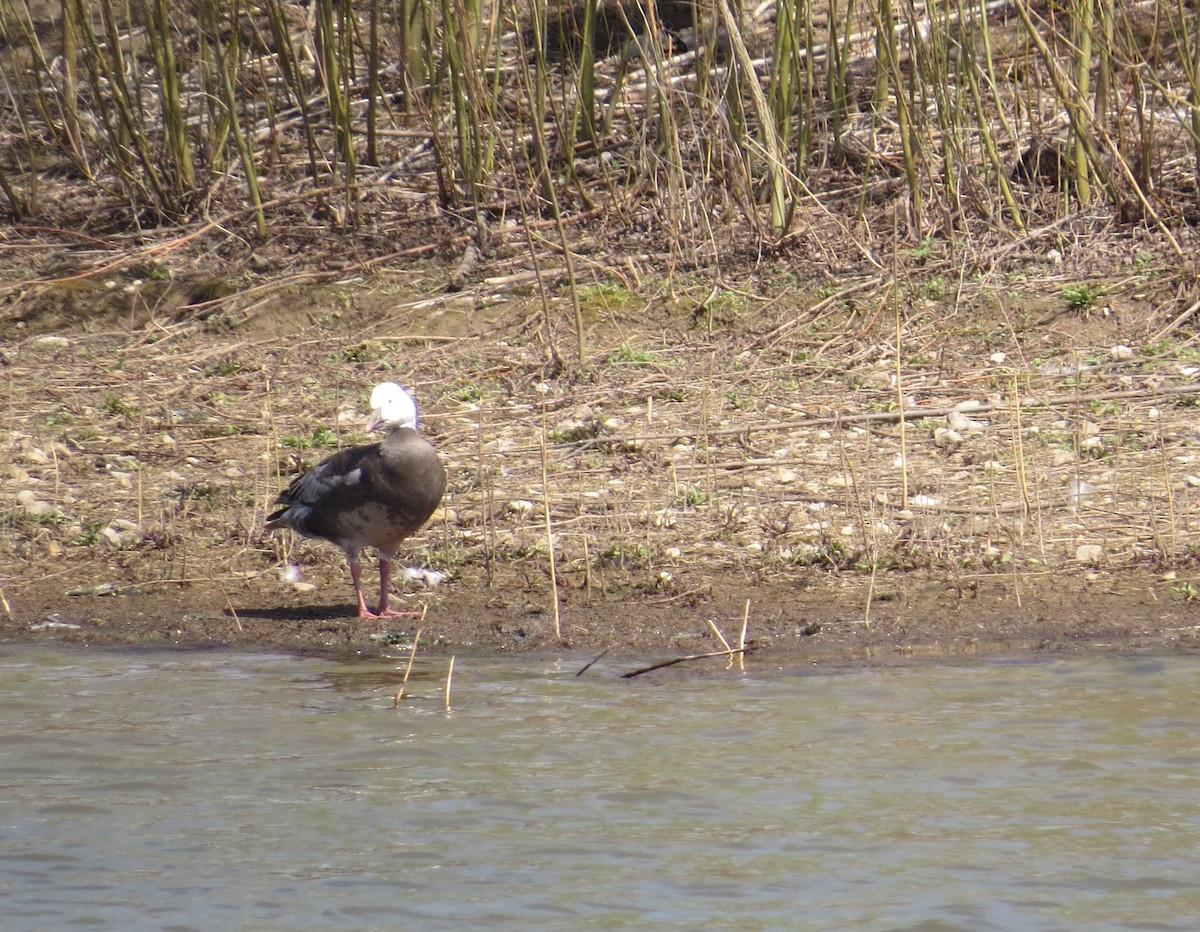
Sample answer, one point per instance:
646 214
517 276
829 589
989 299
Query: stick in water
671 663
412 655
584 668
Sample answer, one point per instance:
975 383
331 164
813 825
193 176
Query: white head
391 406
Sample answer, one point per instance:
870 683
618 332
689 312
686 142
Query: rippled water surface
204 791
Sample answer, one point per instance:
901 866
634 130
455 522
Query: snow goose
374 495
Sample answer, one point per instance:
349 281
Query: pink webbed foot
384 591
385 572
397 613
367 614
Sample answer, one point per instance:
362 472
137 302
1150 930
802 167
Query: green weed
1083 295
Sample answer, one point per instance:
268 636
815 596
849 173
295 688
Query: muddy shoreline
786 627
758 472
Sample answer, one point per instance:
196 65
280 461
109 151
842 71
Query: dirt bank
739 460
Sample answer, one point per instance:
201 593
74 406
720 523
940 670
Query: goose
374 495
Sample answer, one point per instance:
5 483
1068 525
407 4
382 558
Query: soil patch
707 465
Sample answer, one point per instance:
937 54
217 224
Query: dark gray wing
371 495
314 500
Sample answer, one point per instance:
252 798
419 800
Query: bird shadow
339 612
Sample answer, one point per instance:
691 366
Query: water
204 791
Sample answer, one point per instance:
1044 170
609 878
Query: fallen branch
670 663
466 268
1177 322
586 666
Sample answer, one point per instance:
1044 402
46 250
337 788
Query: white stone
53 342
958 421
34 506
944 437
663 518
1078 490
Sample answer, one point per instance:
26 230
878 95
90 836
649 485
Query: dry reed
965 121
412 656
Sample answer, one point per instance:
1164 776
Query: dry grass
1012 138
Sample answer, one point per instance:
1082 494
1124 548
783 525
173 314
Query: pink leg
356 575
385 572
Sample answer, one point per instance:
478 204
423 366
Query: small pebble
53 342
946 438
958 421
1078 490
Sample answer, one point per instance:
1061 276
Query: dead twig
466 268
587 666
412 655
1177 322
670 663
232 611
